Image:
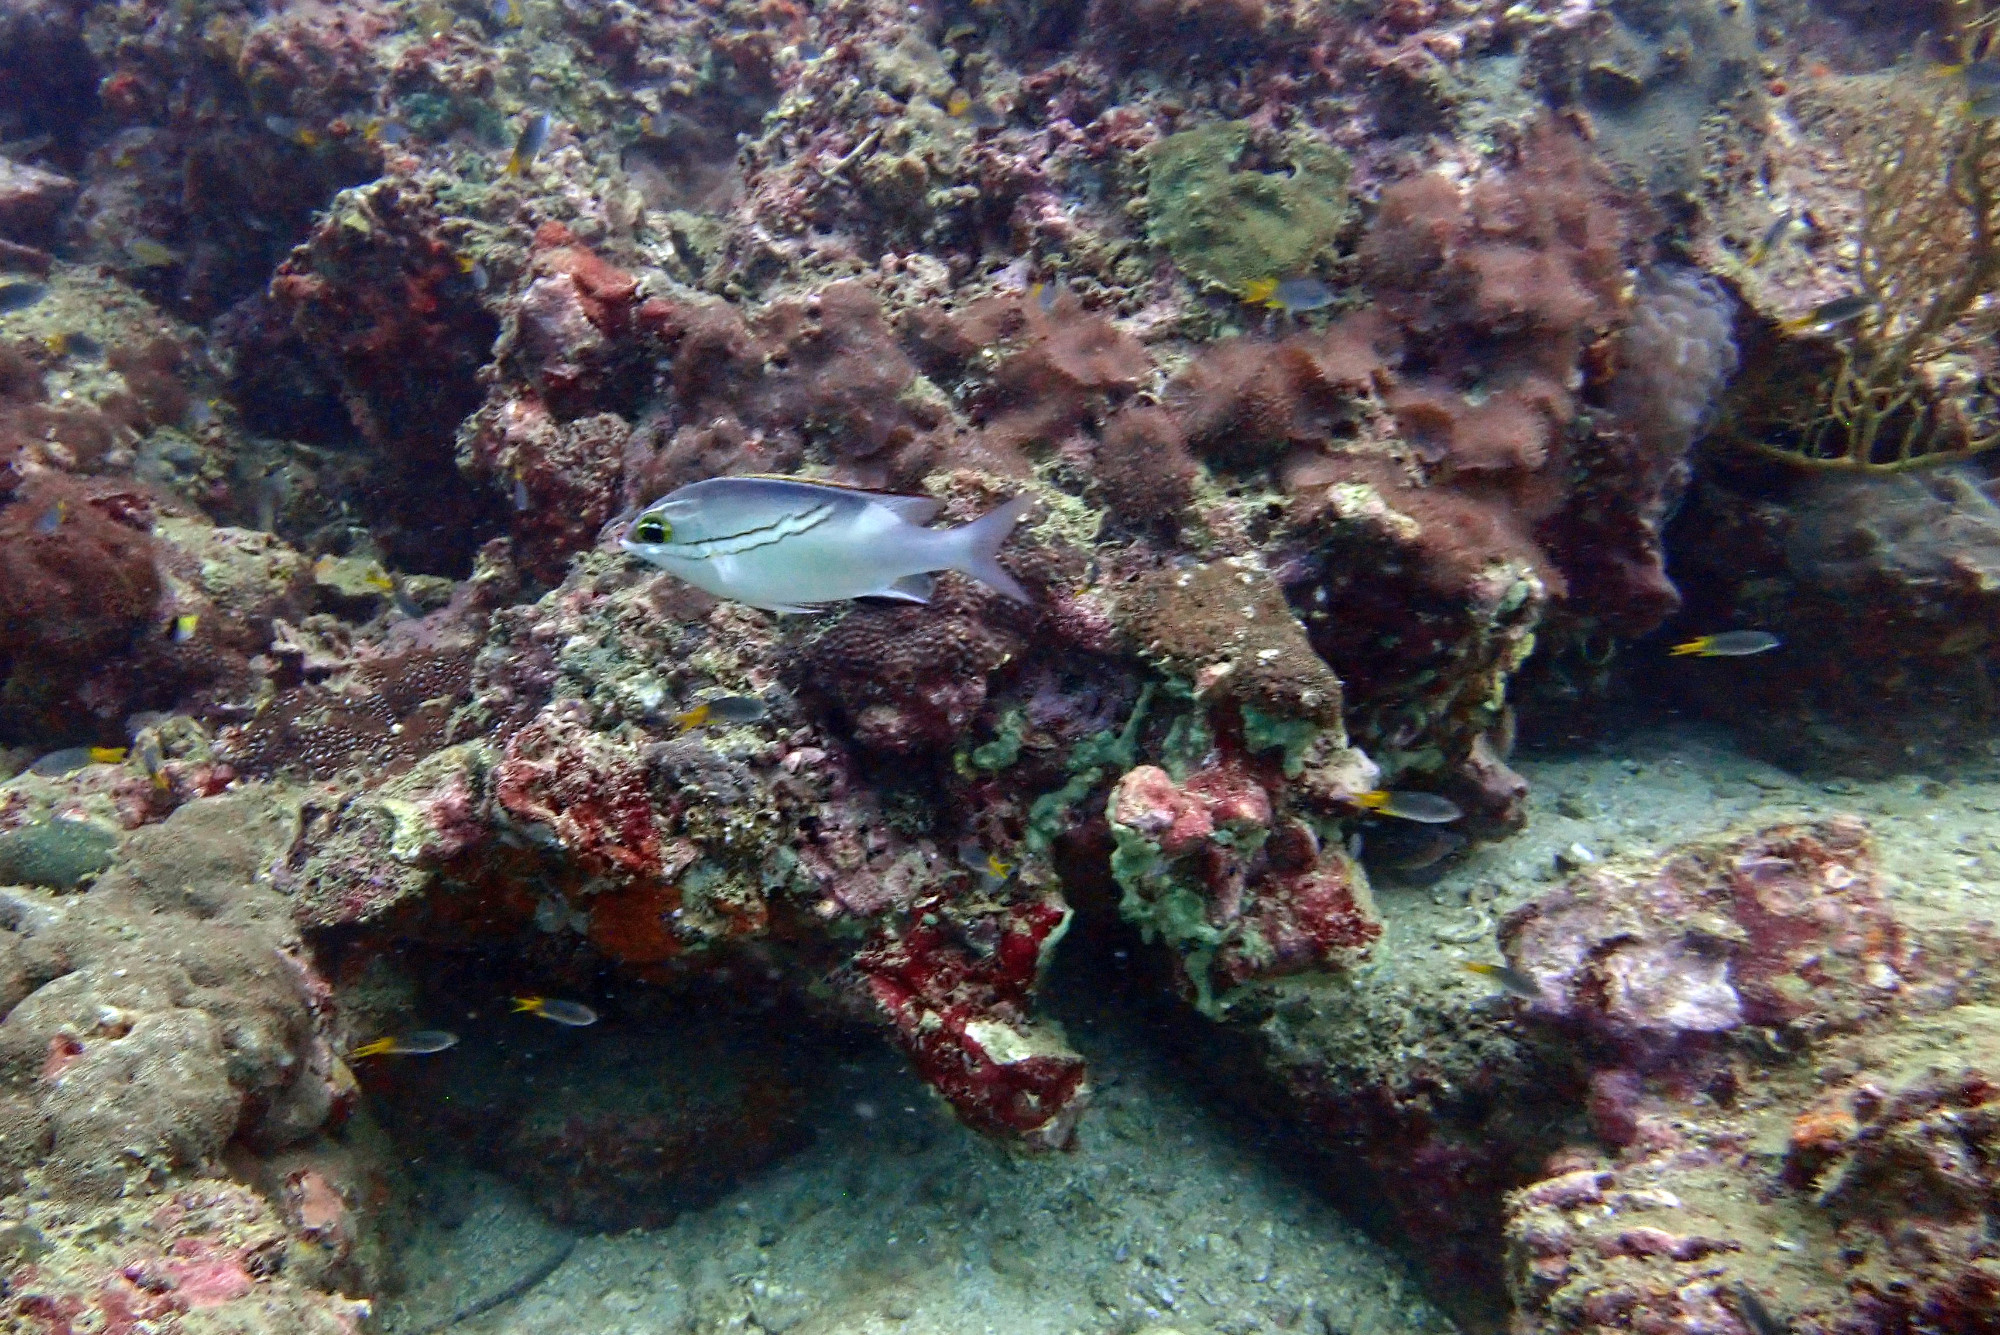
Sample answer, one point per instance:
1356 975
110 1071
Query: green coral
1087 765
1166 908
1232 227
1005 748
1268 732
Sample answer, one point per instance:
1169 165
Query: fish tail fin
977 546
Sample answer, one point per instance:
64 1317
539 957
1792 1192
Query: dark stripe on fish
749 540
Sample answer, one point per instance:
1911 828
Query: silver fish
789 546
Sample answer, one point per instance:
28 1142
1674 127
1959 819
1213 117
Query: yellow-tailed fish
725 709
183 627
988 867
958 103
1978 76
1293 296
1424 808
1831 314
534 135
1511 981
147 752
1728 644
75 345
572 1013
73 758
107 755
1410 847
52 518
296 131
420 1043
791 546
1258 291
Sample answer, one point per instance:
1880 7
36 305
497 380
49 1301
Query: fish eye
652 529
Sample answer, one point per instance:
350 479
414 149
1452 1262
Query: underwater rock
1786 928
378 297
174 1012
58 854
30 199
77 582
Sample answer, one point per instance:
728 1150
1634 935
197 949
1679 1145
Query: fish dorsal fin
911 509
908 589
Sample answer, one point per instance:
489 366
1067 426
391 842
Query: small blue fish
20 296
52 518
534 135
1728 644
790 546
78 346
1293 296
1831 314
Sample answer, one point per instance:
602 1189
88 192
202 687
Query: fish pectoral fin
911 509
908 589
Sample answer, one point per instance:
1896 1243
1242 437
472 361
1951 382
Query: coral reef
319 409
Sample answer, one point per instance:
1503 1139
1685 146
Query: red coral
562 479
1057 367
77 585
824 368
589 792
956 986
1318 918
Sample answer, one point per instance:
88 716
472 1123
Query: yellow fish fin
1259 291
373 1049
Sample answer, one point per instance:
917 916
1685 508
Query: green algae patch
1231 225
1271 732
1088 765
56 854
1005 748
